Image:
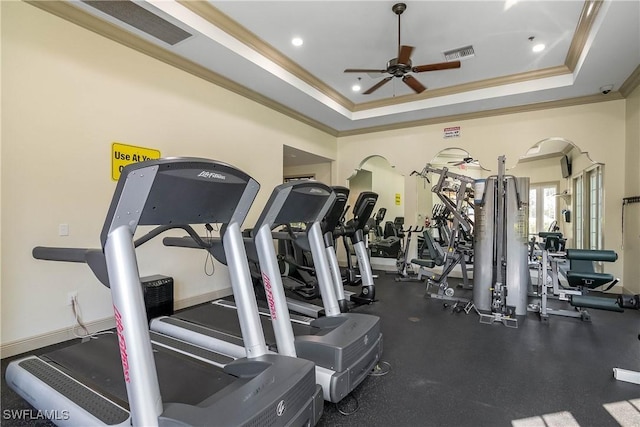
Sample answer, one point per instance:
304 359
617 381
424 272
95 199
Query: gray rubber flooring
447 369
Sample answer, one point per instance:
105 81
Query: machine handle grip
61 254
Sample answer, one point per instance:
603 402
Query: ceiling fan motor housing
398 8
397 69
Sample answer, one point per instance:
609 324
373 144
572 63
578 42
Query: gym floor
447 369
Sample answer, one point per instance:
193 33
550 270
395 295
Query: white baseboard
200 299
66 334
54 337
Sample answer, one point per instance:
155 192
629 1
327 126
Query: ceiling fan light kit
401 65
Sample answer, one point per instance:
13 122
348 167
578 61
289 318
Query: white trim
200 299
54 337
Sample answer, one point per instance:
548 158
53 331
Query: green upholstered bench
581 272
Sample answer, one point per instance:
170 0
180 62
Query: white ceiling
248 43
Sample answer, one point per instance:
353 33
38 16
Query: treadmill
344 346
141 378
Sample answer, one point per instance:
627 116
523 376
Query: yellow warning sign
123 155
397 199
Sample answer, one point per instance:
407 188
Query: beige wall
632 188
598 129
321 171
67 95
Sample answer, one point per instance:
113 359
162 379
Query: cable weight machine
455 252
500 260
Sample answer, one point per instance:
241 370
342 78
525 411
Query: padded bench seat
582 272
427 263
592 255
587 279
599 303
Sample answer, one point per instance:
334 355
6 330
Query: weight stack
158 295
516 229
517 234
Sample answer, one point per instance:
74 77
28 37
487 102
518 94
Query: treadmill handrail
161 193
95 259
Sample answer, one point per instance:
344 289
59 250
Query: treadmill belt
97 364
225 320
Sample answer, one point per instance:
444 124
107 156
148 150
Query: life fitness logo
270 300
280 408
123 344
211 175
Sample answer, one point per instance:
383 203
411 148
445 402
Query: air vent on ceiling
140 18
459 53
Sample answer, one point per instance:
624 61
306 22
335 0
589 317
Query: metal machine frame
344 346
453 255
268 389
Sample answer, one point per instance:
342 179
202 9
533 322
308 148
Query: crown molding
85 20
467 87
590 99
234 29
65 10
588 15
632 82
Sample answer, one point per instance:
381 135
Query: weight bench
433 250
438 257
553 241
581 278
435 254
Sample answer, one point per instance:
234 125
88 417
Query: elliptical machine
384 244
354 233
403 263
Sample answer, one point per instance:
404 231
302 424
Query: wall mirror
376 174
455 160
566 192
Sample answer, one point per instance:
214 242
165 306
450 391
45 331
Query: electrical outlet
72 296
63 229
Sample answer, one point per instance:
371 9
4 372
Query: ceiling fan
464 161
401 65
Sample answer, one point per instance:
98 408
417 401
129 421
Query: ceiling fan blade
377 86
363 70
404 54
413 83
436 67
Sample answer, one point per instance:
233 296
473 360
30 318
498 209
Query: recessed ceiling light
508 4
356 88
538 48
297 41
